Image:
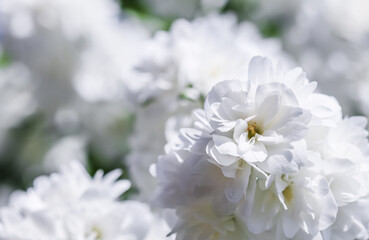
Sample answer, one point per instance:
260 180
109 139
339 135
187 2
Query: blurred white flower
72 184
188 9
198 54
16 95
355 27
69 51
72 205
329 40
78 62
17 92
70 148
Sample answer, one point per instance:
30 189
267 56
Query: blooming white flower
262 122
299 206
343 159
256 128
268 151
179 68
207 225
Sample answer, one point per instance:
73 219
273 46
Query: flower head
259 152
72 205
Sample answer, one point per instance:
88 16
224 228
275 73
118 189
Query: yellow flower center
253 129
287 194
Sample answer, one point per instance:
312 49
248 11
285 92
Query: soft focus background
108 82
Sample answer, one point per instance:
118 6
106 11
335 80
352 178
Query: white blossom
268 151
205 224
177 70
72 205
343 159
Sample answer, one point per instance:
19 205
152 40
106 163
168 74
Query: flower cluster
62 74
72 205
206 116
178 68
267 158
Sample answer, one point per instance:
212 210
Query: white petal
225 145
222 159
258 153
260 70
237 187
268 107
269 137
290 225
241 127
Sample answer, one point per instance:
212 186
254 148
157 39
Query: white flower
78 63
148 141
343 159
72 184
261 123
178 69
299 206
72 205
85 53
351 223
198 54
183 178
257 128
200 222
273 153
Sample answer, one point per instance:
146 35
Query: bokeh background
90 80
